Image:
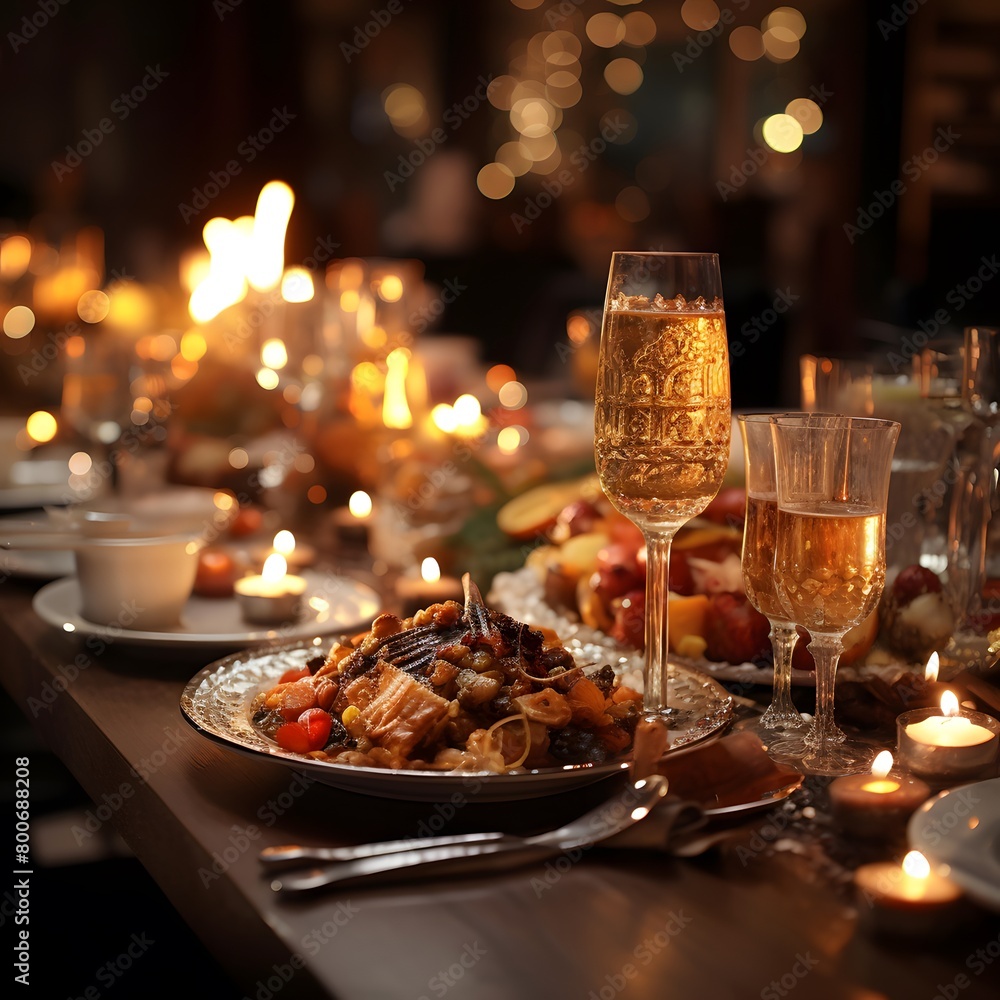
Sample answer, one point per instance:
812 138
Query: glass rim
762 416
664 253
844 420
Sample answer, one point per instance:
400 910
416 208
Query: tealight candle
416 593
907 899
351 524
297 554
876 804
274 596
949 745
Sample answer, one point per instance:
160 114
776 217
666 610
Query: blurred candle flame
949 703
933 667
430 571
395 409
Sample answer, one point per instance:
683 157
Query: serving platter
217 702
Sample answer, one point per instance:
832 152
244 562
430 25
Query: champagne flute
778 726
662 417
833 483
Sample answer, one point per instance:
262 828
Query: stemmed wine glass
662 415
780 725
833 482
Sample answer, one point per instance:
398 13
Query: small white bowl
136 582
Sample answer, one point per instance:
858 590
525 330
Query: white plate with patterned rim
217 702
960 828
332 604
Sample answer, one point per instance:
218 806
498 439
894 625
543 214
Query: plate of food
585 572
457 699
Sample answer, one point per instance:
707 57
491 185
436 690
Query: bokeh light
606 29
807 113
18 322
700 15
495 180
623 76
746 43
782 133
41 426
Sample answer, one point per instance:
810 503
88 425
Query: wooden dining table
752 917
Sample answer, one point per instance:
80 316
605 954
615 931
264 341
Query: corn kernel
350 714
692 646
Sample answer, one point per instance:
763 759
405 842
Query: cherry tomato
295 698
292 736
317 724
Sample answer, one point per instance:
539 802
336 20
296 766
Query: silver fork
468 852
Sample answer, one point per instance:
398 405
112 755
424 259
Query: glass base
848 757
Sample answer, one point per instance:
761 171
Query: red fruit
619 571
630 619
294 674
728 507
576 518
248 520
622 530
735 631
317 725
292 736
681 581
914 581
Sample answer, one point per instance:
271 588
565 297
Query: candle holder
926 749
272 598
894 902
873 807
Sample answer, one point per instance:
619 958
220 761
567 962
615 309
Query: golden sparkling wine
831 563
759 537
662 418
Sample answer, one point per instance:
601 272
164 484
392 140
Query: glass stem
782 714
654 699
826 650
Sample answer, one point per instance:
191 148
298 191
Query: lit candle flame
360 504
882 764
275 567
949 703
284 543
395 409
430 571
932 668
266 261
916 865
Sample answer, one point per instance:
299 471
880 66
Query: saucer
331 604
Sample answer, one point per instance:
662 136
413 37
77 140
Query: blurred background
510 146
453 179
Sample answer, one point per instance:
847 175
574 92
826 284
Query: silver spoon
476 852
